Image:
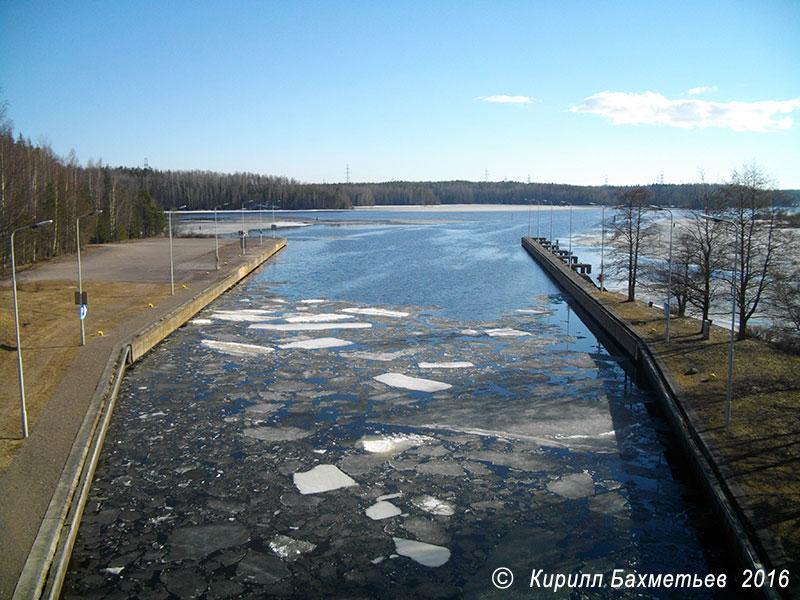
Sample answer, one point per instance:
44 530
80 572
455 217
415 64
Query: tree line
37 185
736 243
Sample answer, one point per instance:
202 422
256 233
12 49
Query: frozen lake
387 411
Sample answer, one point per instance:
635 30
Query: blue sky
563 91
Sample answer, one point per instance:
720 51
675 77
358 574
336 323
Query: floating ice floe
405 382
577 485
313 301
201 321
381 356
289 549
392 444
470 332
113 570
322 478
325 342
277 434
376 312
434 506
236 347
456 364
505 332
531 311
382 510
316 318
308 326
425 554
243 315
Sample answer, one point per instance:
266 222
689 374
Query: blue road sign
83 311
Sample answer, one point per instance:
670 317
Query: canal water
390 409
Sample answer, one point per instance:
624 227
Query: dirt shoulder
762 444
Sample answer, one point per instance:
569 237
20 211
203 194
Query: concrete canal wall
47 561
753 548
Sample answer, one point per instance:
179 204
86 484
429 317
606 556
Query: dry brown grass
50 335
762 445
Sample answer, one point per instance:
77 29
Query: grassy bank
762 444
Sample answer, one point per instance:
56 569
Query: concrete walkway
39 471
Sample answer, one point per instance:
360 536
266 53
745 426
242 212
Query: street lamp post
16 323
538 215
729 387
667 310
171 262
602 242
81 315
216 237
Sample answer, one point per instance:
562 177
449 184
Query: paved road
29 483
142 261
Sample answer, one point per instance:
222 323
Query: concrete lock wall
45 568
753 548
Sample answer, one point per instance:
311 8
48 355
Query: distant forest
36 184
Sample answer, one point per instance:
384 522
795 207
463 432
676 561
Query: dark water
531 451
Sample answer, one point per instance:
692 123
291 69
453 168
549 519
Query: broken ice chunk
236 348
322 478
308 326
242 315
277 434
290 549
577 485
381 356
382 510
425 554
376 312
457 364
505 332
391 444
325 342
434 506
405 382
316 318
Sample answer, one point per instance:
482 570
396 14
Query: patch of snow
405 382
425 554
382 510
325 342
322 478
236 348
456 364
308 326
376 312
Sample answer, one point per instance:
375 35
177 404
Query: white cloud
622 108
701 90
507 99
